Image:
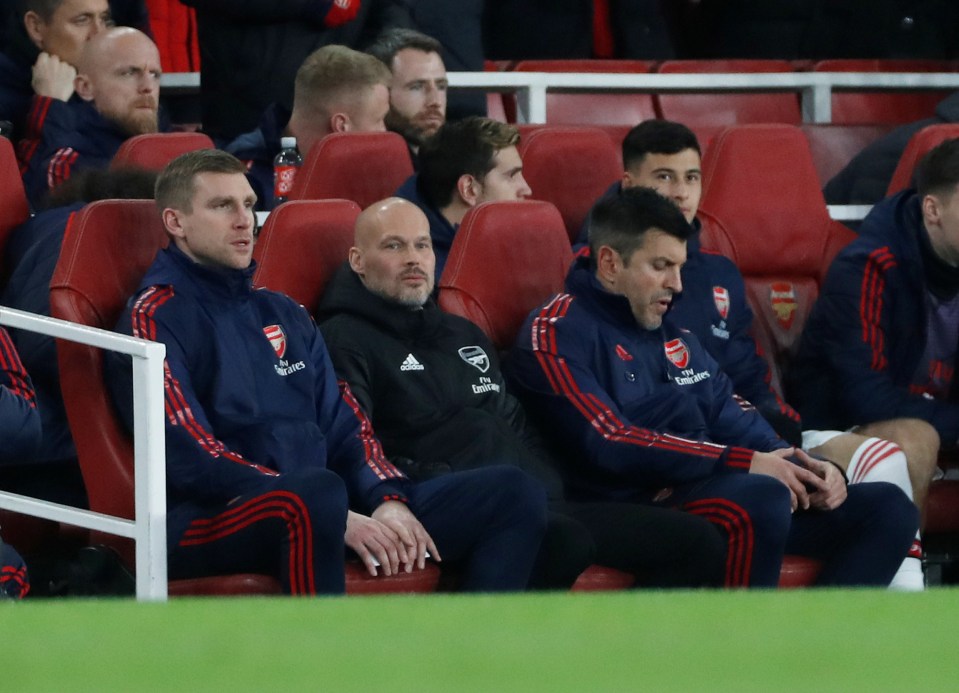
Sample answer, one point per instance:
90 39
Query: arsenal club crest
277 338
476 357
677 352
721 299
782 296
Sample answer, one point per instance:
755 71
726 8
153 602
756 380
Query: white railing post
148 530
150 473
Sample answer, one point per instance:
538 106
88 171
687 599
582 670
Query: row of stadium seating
742 201
706 113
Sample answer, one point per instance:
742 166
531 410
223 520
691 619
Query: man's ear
83 87
468 189
171 221
931 212
356 260
340 122
608 265
34 26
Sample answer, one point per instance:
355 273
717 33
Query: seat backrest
861 107
154 151
301 245
595 108
918 146
361 166
105 253
570 167
727 108
13 198
507 258
761 186
833 146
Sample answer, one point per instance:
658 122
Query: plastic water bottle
285 166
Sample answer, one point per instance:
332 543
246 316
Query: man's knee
884 505
918 439
322 496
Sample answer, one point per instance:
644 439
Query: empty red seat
859 107
703 111
301 245
570 167
13 198
361 166
782 243
507 258
594 108
918 146
154 151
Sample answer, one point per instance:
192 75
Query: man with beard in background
117 96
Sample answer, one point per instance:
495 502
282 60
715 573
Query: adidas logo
411 364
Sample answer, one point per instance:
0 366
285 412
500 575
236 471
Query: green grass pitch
828 640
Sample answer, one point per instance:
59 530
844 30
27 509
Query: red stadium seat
594 108
798 571
918 146
570 167
833 146
888 107
524 246
302 244
361 166
782 243
703 112
13 199
599 578
155 150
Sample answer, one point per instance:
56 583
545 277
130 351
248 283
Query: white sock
879 460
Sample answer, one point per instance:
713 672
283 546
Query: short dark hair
391 41
460 147
177 182
43 8
938 171
621 221
657 137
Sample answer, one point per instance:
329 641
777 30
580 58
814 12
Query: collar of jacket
224 282
347 295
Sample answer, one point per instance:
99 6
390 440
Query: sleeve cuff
737 459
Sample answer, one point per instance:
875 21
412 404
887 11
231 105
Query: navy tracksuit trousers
489 521
861 543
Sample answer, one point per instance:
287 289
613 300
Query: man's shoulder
251 146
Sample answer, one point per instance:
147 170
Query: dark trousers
489 522
662 547
862 542
293 528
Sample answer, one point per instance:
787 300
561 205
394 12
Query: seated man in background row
39 61
642 413
271 465
881 340
117 97
431 384
337 89
665 156
418 86
466 163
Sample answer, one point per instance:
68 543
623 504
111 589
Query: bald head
392 252
119 73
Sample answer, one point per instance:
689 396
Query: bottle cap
288 143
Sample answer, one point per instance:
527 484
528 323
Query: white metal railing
148 530
815 88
